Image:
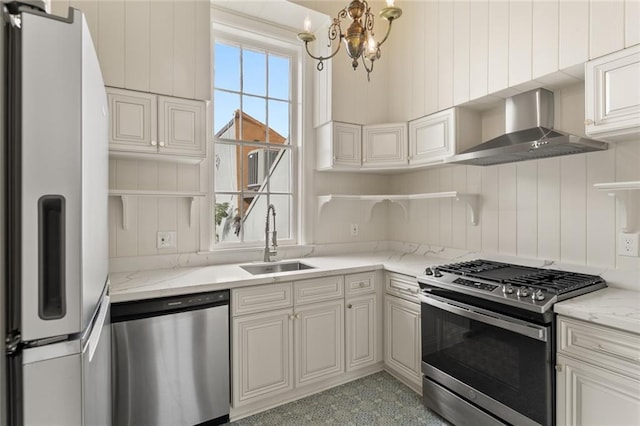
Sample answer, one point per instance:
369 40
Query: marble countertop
612 307
128 286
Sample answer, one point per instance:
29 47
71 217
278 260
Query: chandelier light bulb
307 24
390 3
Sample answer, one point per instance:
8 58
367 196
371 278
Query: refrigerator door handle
98 326
51 257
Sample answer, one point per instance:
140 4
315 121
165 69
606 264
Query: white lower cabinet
263 355
402 339
319 336
597 375
361 331
287 337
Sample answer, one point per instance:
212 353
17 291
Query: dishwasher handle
139 309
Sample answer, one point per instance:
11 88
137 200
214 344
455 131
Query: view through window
252 103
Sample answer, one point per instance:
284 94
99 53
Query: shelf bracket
126 203
472 202
627 200
404 204
192 202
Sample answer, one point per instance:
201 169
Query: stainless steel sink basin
273 268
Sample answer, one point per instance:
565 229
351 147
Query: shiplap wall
444 53
148 215
157 46
544 209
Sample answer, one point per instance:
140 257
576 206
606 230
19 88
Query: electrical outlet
166 239
628 244
354 229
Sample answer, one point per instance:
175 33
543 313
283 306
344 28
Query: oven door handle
506 323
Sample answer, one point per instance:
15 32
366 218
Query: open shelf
622 192
126 195
403 201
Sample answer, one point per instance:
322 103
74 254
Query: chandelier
359 37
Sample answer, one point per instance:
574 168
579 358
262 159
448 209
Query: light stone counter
612 307
127 286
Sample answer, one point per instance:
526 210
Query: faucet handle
274 238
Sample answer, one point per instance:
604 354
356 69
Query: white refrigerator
55 253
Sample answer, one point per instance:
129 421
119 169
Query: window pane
228 214
280 167
279 77
254 126
254 72
279 122
226 167
225 125
256 162
226 67
254 221
283 205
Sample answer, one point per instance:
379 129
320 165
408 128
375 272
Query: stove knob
437 273
507 289
537 295
428 271
522 292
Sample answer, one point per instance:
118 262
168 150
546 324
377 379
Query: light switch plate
166 239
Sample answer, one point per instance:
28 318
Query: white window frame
232 28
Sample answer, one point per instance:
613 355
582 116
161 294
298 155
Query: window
254 144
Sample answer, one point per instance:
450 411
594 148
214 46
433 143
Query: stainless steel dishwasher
171 360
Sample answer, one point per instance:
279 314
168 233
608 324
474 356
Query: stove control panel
475 284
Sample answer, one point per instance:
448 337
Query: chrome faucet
268 252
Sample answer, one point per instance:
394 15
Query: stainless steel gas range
488 340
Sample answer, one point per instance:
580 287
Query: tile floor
378 399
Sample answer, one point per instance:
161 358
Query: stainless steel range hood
529 134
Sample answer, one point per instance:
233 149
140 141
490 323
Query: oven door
501 364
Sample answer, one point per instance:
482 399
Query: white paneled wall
148 215
149 45
545 209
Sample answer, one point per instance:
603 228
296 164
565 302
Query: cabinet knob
291 317
297 316
349 306
154 143
161 143
364 160
335 158
559 368
588 121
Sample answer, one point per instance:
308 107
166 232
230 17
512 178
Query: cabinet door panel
430 138
588 395
319 336
347 144
181 126
262 355
133 121
402 337
384 145
361 332
612 95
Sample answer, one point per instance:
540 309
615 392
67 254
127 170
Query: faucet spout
270 251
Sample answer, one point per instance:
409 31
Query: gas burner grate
557 282
471 267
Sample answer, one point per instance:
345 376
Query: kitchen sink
273 268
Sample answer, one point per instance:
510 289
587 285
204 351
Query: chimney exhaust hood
529 134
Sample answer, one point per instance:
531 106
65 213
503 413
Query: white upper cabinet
144 123
384 145
339 145
612 95
438 136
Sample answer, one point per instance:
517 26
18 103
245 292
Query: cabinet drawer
355 284
403 286
260 298
319 289
613 349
